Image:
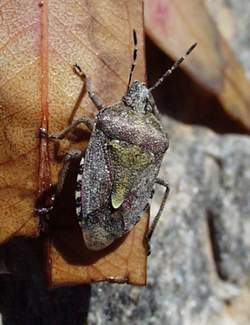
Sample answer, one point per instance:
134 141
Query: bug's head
138 98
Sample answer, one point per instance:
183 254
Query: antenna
174 66
134 58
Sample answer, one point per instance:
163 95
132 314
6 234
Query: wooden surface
39 43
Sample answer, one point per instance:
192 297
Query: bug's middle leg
61 135
71 155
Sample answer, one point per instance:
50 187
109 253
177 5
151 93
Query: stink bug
119 169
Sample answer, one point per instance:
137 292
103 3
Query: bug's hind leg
46 204
95 99
73 154
159 213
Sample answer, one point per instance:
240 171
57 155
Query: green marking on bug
120 191
128 161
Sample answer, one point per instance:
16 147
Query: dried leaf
39 44
174 26
20 108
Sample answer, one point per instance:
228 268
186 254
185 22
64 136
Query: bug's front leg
159 213
95 99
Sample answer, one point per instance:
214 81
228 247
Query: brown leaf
174 25
20 108
39 44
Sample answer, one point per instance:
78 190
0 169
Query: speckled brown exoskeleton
119 169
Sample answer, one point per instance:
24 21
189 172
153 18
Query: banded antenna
134 58
174 66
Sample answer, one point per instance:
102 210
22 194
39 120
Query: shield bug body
119 169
